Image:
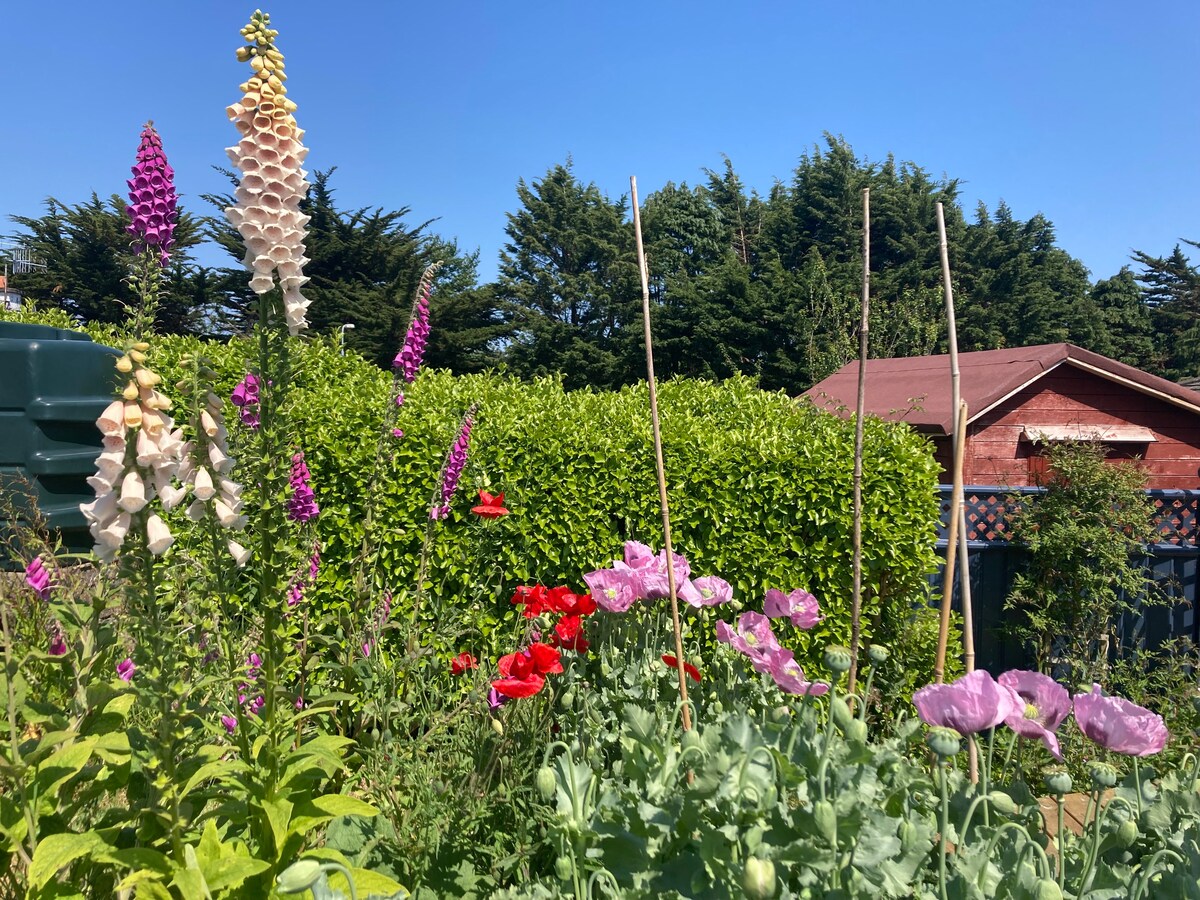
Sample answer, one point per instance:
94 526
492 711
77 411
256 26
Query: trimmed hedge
760 488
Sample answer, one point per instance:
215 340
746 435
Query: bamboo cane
939 668
859 409
658 459
959 435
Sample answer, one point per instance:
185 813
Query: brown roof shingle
917 389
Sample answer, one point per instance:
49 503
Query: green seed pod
1103 775
945 742
909 835
1127 833
546 783
758 878
826 821
563 868
299 876
1057 783
856 731
780 714
878 654
1002 802
691 738
837 659
1047 889
718 707
568 699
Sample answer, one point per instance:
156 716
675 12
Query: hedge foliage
760 487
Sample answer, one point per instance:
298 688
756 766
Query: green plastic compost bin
54 384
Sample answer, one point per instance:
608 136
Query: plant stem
945 825
1062 849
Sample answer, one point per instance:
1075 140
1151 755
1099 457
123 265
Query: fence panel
994 562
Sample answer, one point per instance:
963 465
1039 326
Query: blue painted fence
1172 562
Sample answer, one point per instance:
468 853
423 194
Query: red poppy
673 662
462 662
562 599
524 674
568 634
491 506
534 599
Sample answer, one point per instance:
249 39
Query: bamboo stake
658 459
939 668
864 325
958 435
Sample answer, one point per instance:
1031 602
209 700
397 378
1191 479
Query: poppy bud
691 738
856 731
840 710
1047 889
299 877
826 821
498 726
546 783
1002 802
1127 833
563 868
758 878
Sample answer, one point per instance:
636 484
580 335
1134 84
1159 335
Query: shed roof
917 389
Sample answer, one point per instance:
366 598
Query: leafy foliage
1082 535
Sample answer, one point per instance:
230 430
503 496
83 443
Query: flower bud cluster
452 469
152 200
269 156
408 360
140 458
206 463
302 505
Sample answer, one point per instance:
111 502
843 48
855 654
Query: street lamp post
342 337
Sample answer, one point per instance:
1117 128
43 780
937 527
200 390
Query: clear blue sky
1084 111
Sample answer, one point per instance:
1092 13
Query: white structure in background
18 260
9 298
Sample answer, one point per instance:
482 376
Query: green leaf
59 850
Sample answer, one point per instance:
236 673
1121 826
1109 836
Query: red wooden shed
1019 398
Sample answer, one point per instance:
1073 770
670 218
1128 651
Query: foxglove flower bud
269 156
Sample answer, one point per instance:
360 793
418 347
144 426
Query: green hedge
760 486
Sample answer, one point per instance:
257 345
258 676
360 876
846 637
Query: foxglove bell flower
302 506
126 668
1119 725
269 157
152 200
452 469
38 578
408 360
124 487
246 398
974 703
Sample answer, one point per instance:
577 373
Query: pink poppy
800 606
1118 725
789 677
753 638
1047 704
974 703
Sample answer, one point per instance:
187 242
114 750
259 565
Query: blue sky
1084 111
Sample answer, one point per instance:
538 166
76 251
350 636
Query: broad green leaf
59 850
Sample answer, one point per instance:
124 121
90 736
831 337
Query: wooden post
864 324
658 459
957 436
939 668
